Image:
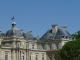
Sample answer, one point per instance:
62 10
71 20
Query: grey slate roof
14 31
30 36
59 34
48 35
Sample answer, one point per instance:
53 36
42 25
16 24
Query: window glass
23 56
56 46
42 57
36 57
43 46
50 46
6 56
32 46
30 57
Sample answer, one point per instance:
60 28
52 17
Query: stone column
20 55
14 45
27 55
13 55
17 55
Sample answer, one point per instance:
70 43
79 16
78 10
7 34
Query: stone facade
24 47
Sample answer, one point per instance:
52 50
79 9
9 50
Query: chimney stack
64 27
30 32
54 28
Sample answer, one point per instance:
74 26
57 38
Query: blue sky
39 15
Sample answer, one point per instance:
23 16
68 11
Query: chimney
64 27
54 28
30 32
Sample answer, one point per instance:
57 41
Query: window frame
6 55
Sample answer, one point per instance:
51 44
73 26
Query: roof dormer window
62 36
50 36
66 37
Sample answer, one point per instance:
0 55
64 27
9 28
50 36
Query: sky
39 15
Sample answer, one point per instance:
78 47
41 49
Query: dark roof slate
14 31
60 32
29 36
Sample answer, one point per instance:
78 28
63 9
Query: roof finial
13 24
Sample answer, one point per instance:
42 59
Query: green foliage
57 55
70 51
77 35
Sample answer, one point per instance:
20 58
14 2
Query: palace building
19 45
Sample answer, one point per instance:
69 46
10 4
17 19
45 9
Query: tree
57 55
70 51
76 35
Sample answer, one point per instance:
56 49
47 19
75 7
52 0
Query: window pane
56 46
6 56
42 57
50 58
30 57
32 46
36 57
43 46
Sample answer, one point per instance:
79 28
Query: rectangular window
43 47
50 58
30 57
36 57
23 56
56 46
6 55
42 57
20 55
33 46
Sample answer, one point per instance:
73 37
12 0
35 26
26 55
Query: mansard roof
14 31
58 33
61 32
30 36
